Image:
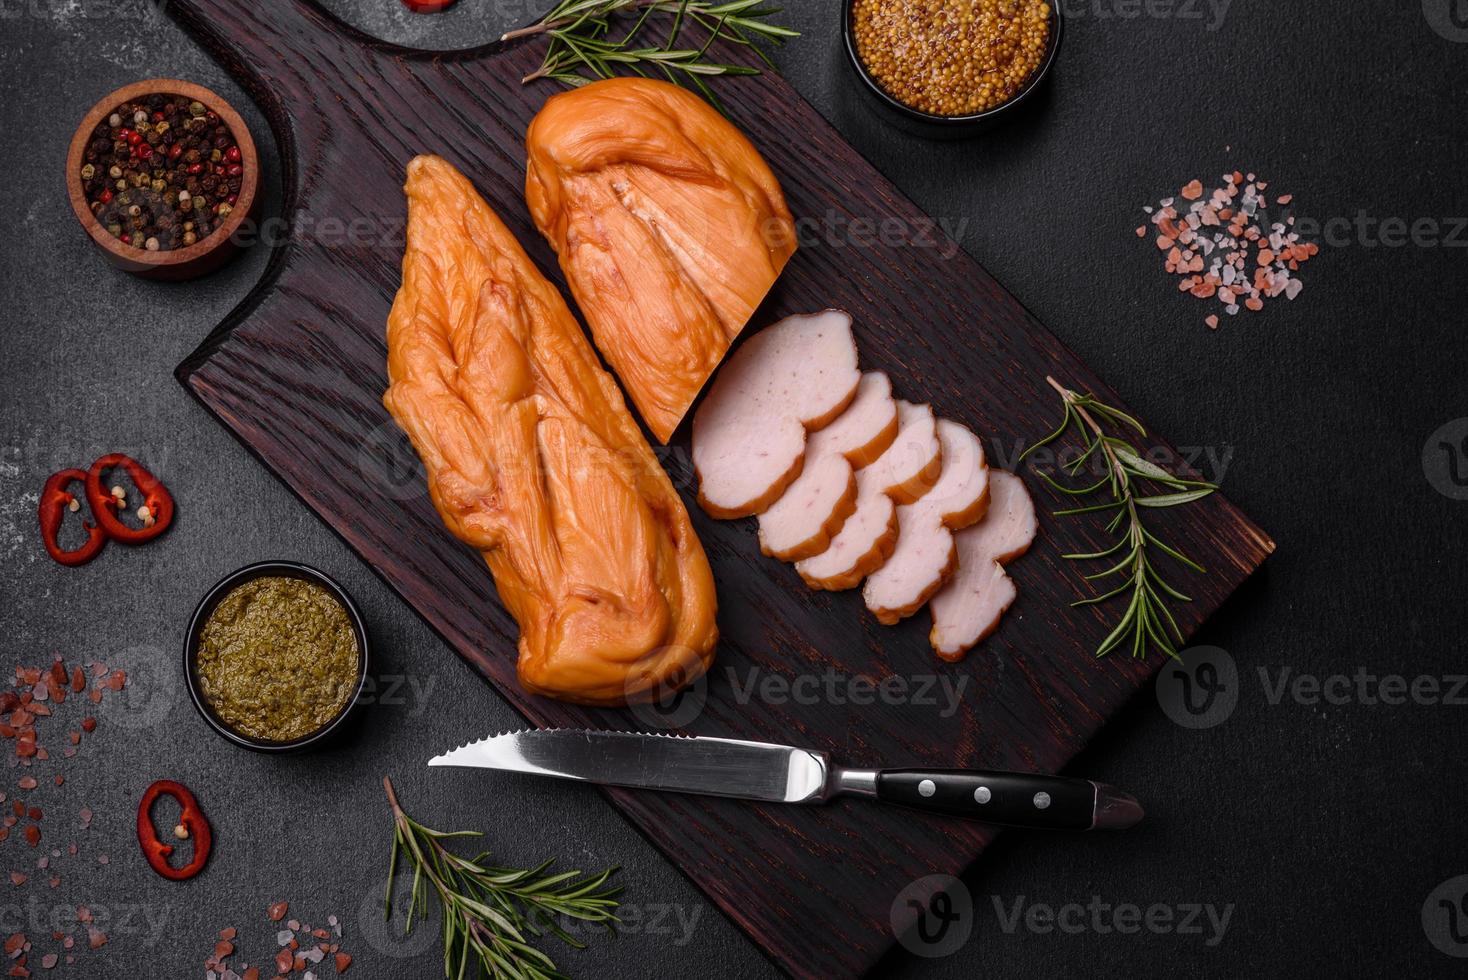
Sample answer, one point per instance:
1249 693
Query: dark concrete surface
1322 828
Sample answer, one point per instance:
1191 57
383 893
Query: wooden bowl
180 263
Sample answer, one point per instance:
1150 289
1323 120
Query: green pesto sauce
277 658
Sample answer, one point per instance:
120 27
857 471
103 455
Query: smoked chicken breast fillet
533 459
669 226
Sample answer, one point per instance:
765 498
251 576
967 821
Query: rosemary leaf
1138 465
1173 499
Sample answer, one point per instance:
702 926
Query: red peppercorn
175 151
106 196
159 117
212 116
234 170
133 138
232 199
144 151
232 154
195 168
126 134
127 239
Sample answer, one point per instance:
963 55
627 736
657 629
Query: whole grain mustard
951 57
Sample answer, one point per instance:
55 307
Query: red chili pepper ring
104 506
192 820
55 501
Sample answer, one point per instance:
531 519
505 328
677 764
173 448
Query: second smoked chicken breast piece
669 226
533 459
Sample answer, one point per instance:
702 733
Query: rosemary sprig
586 42
491 913
1147 620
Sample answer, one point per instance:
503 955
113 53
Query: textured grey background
1326 827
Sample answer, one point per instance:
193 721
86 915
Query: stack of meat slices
854 485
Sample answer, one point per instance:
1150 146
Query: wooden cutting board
297 373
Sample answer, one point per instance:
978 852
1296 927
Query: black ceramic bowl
929 126
212 598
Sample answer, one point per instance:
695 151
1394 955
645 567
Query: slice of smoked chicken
533 459
968 608
669 226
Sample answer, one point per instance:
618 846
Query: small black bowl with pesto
276 656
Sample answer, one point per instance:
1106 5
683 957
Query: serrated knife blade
680 764
775 773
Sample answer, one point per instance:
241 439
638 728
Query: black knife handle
1009 798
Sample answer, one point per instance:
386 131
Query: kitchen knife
787 774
